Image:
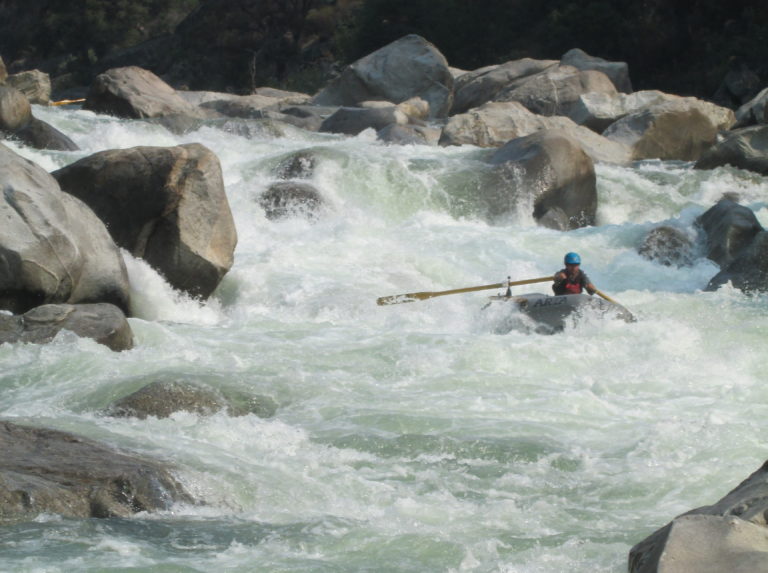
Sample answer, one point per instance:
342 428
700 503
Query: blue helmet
572 259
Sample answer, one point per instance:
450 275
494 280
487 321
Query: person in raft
571 279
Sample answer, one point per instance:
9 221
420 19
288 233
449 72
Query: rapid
414 437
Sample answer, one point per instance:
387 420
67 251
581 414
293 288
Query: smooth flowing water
413 437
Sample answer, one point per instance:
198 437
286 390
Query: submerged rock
164 397
48 471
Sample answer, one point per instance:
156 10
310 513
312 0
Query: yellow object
414 296
67 101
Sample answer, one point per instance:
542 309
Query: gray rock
166 205
48 471
549 170
103 322
669 246
730 535
135 93
475 88
618 72
729 229
292 199
754 111
15 110
745 148
680 129
749 270
409 67
34 84
53 248
353 120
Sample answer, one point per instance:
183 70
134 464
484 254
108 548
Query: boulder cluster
546 123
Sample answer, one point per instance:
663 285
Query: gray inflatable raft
550 313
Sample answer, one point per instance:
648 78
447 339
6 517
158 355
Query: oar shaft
414 296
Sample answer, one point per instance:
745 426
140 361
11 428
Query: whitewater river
416 437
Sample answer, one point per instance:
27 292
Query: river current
419 437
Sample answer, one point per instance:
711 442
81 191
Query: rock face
34 84
730 535
166 205
618 72
135 93
47 471
103 322
549 170
749 270
53 248
409 67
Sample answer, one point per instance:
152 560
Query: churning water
411 437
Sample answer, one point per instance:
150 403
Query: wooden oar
414 296
67 101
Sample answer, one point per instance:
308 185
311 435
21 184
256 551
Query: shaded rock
401 135
669 246
739 85
3 71
166 205
729 228
678 129
42 135
754 111
291 199
48 471
353 120
475 88
730 535
103 322
549 170
617 72
409 67
312 116
15 111
164 397
749 270
135 93
34 84
745 148
297 165
53 248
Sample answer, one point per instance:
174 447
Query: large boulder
495 123
135 93
16 120
729 229
409 67
53 248
166 205
353 120
550 171
475 88
680 129
618 72
555 90
730 535
103 322
747 272
46 471
745 148
34 84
